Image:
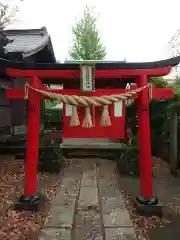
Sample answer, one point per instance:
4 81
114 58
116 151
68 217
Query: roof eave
51 49
37 49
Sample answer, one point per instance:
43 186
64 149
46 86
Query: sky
137 30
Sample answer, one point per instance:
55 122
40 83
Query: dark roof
76 66
28 41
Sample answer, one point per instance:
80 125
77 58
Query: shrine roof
27 41
99 65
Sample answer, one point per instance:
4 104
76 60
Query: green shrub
160 115
52 115
128 162
50 159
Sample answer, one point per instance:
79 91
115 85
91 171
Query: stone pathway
89 205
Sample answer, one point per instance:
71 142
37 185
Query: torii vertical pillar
144 141
29 200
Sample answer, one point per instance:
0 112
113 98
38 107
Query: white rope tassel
105 118
74 117
150 91
87 118
26 91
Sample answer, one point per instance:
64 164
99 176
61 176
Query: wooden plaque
87 78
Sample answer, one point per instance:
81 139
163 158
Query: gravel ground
22 225
167 189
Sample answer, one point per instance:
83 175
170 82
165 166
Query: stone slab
73 170
55 234
90 217
114 213
87 233
88 197
120 234
89 179
107 174
86 140
71 191
90 143
109 171
61 215
105 164
88 165
117 146
69 188
88 225
63 200
117 218
108 189
71 181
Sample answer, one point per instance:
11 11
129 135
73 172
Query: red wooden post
144 143
32 142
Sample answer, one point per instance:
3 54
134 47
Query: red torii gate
139 71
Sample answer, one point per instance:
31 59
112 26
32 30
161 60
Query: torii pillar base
33 204
148 207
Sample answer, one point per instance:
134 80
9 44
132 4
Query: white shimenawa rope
88 102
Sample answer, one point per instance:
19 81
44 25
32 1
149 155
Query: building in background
32 46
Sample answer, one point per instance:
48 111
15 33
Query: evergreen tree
86 38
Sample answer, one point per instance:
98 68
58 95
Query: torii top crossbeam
103 69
